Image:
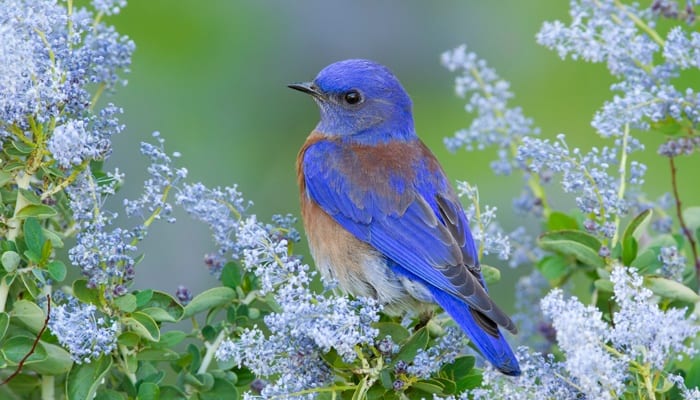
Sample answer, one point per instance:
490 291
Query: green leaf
10 260
692 379
51 236
163 307
148 391
691 216
553 267
46 251
30 196
397 332
128 339
429 387
143 325
203 381
110 394
4 323
231 275
670 289
633 232
222 389
668 126
126 303
469 382
208 299
12 165
23 148
460 368
40 211
579 244
33 256
157 355
647 260
559 221
376 392
193 352
664 240
33 235
408 351
604 285
29 314
84 379
57 362
17 347
24 385
4 178
448 386
490 274
629 249
84 294
143 297
30 283
170 339
57 270
169 392
638 224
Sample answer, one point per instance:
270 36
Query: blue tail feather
495 349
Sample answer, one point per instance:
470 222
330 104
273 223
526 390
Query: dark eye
352 97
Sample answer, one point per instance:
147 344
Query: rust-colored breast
358 267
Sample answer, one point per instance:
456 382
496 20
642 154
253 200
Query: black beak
306 87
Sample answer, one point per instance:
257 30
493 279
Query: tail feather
494 348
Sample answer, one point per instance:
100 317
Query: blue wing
414 218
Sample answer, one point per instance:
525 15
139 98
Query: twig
688 234
36 342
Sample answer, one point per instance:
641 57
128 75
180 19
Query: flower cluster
673 263
49 56
641 329
620 35
219 208
308 324
446 349
163 176
582 336
597 190
597 354
81 330
495 124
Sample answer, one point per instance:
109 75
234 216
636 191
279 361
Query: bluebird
381 217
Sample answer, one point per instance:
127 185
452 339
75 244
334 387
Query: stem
211 350
125 365
623 181
4 291
533 180
24 359
47 387
641 24
66 182
22 181
688 234
96 96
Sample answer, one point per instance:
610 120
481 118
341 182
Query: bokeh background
211 77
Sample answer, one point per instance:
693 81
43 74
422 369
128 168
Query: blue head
361 101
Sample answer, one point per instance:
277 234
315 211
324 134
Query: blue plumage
365 169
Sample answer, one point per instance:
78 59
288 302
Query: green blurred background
211 77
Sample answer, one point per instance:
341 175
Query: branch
36 342
688 234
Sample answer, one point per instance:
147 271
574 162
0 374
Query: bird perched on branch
381 216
